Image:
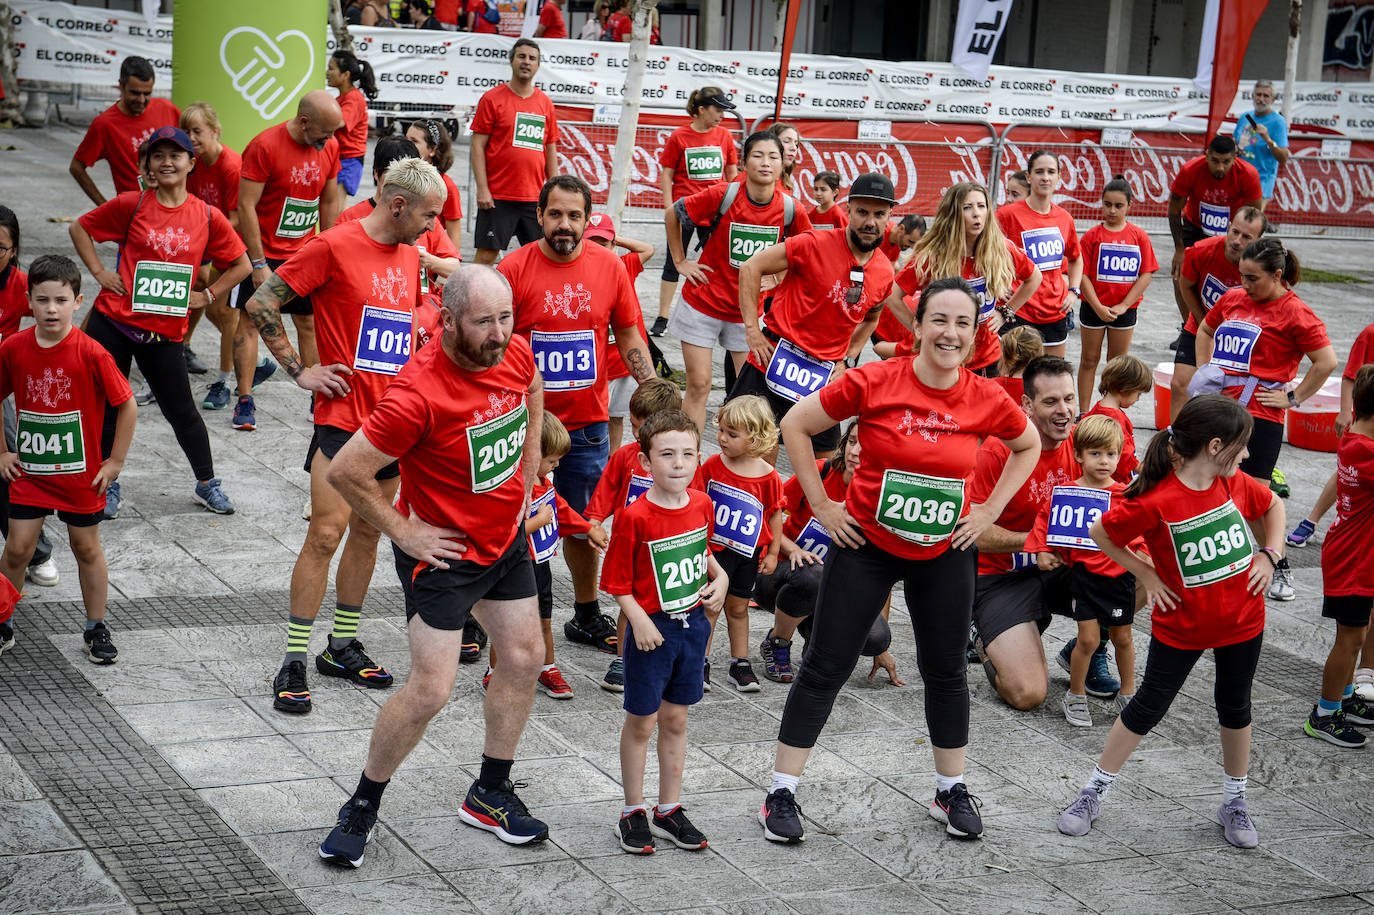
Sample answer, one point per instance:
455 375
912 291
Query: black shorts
1028 596
329 439
1192 233
741 570
1055 333
670 274
751 381
1089 319
443 598
1185 349
1347 609
75 519
1266 438
508 217
300 305
1110 601
543 580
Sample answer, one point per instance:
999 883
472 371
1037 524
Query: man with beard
1262 138
365 276
568 297
824 309
117 132
463 420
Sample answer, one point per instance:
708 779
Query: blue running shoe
1302 533
500 811
1100 682
212 497
349 838
217 398
245 414
112 502
264 370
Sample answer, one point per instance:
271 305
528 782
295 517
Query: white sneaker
1281 585
1076 711
306 511
1364 684
44 574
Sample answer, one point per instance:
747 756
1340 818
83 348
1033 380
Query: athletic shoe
1332 728
777 658
1281 585
742 676
1236 824
289 690
500 811
958 810
1357 711
473 639
659 327
598 632
265 370
706 676
634 833
245 416
676 828
352 663
1121 702
780 817
98 645
1279 484
1076 711
145 397
307 509
614 681
217 398
193 364
554 686
112 502
6 637
486 679
1302 533
1364 684
212 497
1078 818
346 841
43 574
1100 682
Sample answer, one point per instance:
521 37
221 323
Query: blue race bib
1118 263
1045 247
793 373
1234 344
639 485
1215 219
814 538
739 518
1021 561
980 286
544 542
1073 509
567 359
1212 290
383 340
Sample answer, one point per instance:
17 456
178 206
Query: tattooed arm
634 352
264 308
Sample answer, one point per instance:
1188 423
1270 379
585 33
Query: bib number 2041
51 443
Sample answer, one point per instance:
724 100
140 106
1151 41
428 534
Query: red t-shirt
1128 463
14 300
833 218
889 248
115 137
551 18
698 160
659 555
435 241
1361 353
447 11
1346 569
1091 559
798 508
620 25
810 307
1050 241
920 442
518 130
453 203
1015 387
1212 203
352 136
567 312
293 177
480 25
1113 261
891 330
623 481
161 248
60 394
1288 331
566 522
615 365
1056 467
744 503
1216 606
1206 266
744 230
218 184
459 436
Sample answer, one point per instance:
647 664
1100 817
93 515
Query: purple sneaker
1237 825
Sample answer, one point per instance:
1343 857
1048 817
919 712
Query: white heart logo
261 67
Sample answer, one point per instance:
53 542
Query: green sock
297 639
345 625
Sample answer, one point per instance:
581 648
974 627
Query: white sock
1101 781
783 780
946 782
631 808
1232 787
548 667
664 810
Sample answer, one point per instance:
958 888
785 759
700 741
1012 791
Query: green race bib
704 163
1212 546
747 240
529 132
51 443
298 217
919 508
162 289
494 448
679 569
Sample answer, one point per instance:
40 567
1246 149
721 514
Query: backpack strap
789 210
726 201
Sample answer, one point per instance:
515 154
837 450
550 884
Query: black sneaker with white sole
780 817
958 810
676 828
742 676
6 637
1357 711
597 631
99 648
347 840
634 833
1333 729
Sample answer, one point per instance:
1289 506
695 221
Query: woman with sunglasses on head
436 147
596 24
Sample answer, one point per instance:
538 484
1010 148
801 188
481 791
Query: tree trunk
629 112
343 39
10 110
779 24
1290 64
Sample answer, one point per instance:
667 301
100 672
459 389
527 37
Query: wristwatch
1292 398
851 362
1074 290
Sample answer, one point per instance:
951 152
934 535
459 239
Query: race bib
814 538
162 289
1021 561
51 443
793 373
747 240
544 542
1045 247
383 340
919 508
1118 263
739 518
704 163
567 360
987 302
1234 344
529 132
424 274
1215 220
298 217
1073 509
1212 546
1212 289
639 485
679 569
494 448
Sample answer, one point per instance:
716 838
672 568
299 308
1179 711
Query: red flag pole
1236 21
789 34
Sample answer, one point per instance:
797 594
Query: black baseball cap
719 100
873 186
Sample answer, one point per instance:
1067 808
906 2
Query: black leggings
1167 667
793 591
1266 438
164 367
854 587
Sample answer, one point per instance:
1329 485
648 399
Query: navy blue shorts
580 469
673 671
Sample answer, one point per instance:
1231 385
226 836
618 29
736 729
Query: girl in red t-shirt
1123 381
1206 586
436 147
828 213
352 79
1020 345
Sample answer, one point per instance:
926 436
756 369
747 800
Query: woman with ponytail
352 79
432 141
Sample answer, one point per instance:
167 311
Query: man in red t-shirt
463 421
901 236
117 132
620 25
514 151
551 22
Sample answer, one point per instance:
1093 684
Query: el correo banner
56 41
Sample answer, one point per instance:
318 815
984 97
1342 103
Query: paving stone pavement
167 784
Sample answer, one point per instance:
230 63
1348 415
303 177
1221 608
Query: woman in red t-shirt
790 137
1206 585
436 147
352 79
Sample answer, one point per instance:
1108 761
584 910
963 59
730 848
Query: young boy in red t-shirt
61 380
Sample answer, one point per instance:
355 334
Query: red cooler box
1164 376
1313 425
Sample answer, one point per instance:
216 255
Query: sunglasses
856 286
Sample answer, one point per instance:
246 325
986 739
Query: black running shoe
347 840
781 818
6 637
352 663
742 676
634 833
659 327
98 645
1333 728
474 637
676 828
598 632
500 811
1356 711
958 810
289 690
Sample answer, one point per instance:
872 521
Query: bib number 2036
919 508
51 443
1212 546
494 448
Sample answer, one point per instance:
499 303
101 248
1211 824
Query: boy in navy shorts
657 566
